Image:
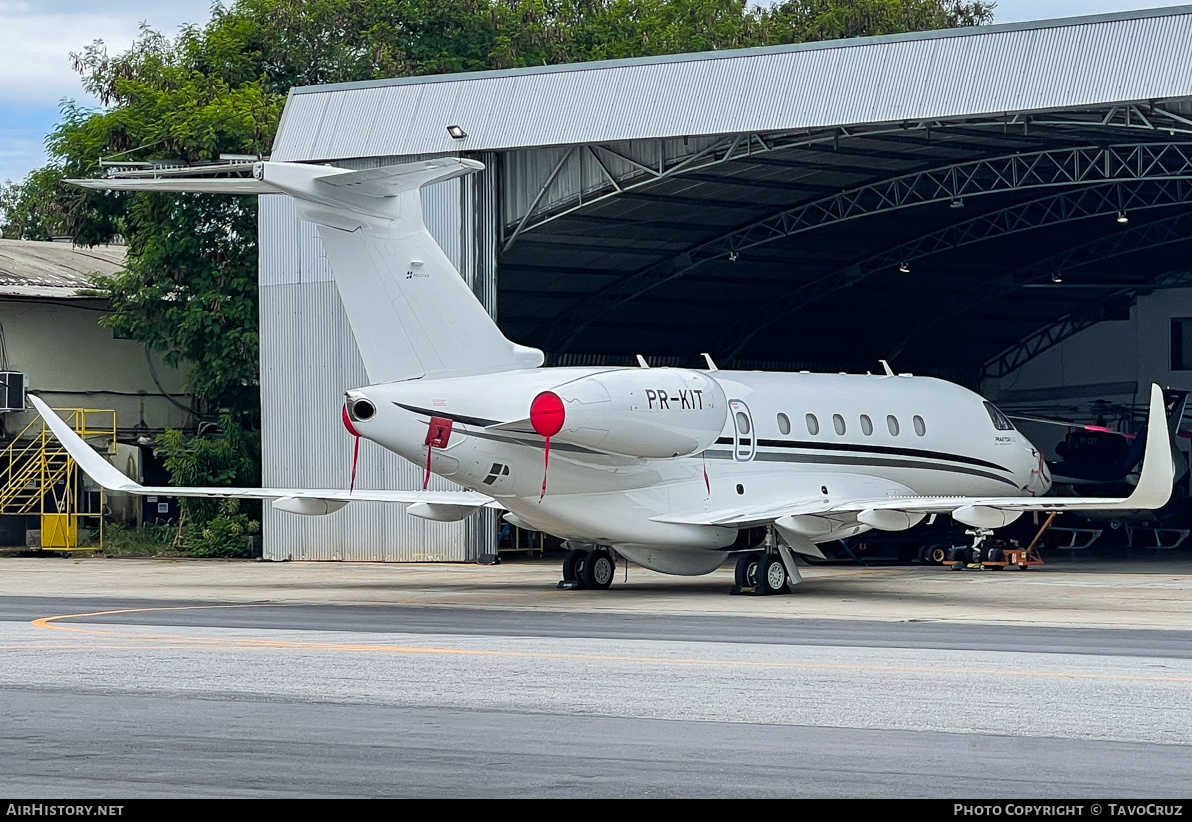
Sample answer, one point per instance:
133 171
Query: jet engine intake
652 413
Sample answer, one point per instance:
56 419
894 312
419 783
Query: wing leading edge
1152 491
438 505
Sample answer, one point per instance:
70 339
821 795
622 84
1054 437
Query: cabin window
892 424
866 425
742 422
838 423
784 423
812 425
1000 421
920 426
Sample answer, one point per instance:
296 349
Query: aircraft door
744 436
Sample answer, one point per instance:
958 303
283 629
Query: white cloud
36 40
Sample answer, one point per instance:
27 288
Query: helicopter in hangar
673 469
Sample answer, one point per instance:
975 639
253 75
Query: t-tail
411 313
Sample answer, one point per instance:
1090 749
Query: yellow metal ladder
37 476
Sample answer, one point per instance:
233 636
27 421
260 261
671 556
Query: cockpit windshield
1000 421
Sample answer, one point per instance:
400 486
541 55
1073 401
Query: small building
50 332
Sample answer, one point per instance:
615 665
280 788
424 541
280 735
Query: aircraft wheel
936 554
597 572
771 575
573 566
746 573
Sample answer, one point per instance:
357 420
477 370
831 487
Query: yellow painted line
50 622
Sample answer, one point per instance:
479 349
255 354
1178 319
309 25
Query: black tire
995 555
597 572
961 555
771 575
936 554
573 565
746 572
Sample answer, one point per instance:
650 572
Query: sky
37 37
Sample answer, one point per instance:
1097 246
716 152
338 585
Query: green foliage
190 288
148 540
227 534
214 527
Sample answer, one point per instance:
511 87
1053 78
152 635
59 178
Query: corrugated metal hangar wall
629 189
309 358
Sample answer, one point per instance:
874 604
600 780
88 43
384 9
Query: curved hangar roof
818 205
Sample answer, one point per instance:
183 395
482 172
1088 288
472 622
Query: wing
438 505
1152 491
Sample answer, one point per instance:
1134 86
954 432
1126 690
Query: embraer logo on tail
411 274
689 399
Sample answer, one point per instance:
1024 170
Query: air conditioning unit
12 391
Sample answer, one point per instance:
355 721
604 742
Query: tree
189 290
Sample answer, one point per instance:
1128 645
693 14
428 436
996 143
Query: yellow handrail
37 467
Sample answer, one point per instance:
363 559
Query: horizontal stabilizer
308 501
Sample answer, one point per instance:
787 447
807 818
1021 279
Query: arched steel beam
1066 206
1080 166
617 170
1159 233
1056 332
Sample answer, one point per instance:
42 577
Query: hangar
969 203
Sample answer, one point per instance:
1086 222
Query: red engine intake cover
547 414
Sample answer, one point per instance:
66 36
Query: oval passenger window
892 422
838 423
812 425
866 425
920 426
742 422
784 423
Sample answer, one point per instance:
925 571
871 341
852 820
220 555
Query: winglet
1157 476
94 465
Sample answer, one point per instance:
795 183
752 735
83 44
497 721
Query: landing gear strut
590 568
765 572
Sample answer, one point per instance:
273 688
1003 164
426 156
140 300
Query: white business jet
671 468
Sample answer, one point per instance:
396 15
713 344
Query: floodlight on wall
904 267
1122 218
456 132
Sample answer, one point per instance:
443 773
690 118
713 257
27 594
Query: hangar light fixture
904 267
732 256
456 132
1122 218
957 202
1057 277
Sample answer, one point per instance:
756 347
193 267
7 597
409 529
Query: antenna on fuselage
708 359
886 367
641 361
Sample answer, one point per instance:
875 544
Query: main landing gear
591 568
761 574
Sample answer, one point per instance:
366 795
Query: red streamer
707 482
355 457
545 466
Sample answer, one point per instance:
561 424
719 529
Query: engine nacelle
648 412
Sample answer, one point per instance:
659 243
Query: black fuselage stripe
460 418
878 462
877 450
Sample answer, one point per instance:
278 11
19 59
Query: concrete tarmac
128 678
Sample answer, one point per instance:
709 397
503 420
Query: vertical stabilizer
410 310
